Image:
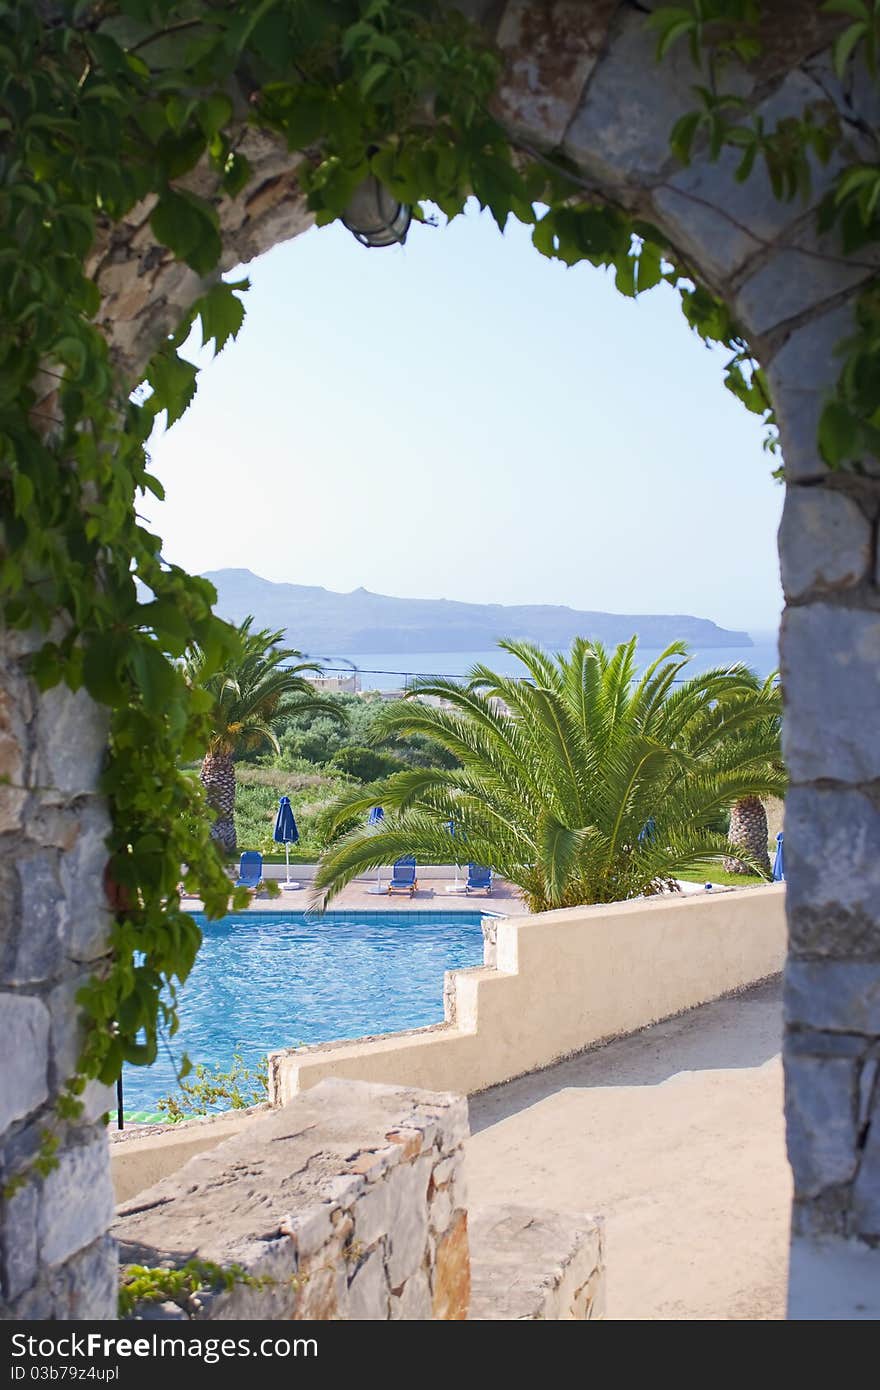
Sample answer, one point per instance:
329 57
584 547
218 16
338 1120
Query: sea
396 670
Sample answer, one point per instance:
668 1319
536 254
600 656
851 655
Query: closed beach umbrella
456 887
286 833
779 861
376 816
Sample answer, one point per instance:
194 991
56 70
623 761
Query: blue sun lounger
403 876
479 877
250 869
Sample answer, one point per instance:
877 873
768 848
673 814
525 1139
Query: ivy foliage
145 1284
724 37
115 111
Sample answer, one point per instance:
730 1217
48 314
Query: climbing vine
140 1284
108 105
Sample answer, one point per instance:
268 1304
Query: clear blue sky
462 418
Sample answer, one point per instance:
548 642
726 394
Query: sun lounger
479 878
403 876
250 870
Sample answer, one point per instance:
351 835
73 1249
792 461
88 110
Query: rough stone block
310 1230
72 737
440 1211
86 1287
620 133
67 1039
368 1290
77 1205
413 1303
825 541
833 1279
33 1306
792 281
535 1265
43 919
832 852
820 1096
866 1189
323 1287
82 872
408 1188
840 996
20 1263
24 1035
452 1272
448 1169
13 755
372 1214
721 222
550 48
831 677
800 374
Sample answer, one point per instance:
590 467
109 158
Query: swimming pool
275 979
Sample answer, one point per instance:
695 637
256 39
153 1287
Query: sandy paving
431 895
675 1135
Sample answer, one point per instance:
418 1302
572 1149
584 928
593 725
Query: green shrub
366 764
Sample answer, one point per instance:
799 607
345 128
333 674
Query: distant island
320 622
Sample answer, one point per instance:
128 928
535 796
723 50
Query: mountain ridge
321 621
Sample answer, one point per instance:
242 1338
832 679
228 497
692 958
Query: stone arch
580 75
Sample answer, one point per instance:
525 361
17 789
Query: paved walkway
432 896
674 1135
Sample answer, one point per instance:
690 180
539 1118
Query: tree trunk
748 829
218 779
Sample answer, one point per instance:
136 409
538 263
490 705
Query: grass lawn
710 873
256 805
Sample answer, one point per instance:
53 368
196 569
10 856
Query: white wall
564 981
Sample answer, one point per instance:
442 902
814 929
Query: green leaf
856 9
102 668
236 174
372 77
213 113
189 227
672 34
845 44
682 135
174 383
650 269
838 434
154 676
221 313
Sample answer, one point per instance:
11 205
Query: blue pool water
276 979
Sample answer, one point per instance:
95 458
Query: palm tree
252 696
748 816
579 783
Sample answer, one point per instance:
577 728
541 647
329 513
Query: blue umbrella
779 861
376 816
286 833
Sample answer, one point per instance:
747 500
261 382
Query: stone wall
56 1259
348 1204
831 676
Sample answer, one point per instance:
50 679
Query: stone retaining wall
350 1203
